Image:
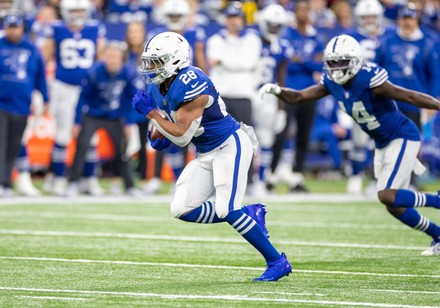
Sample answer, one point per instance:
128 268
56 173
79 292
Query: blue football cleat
258 212
276 270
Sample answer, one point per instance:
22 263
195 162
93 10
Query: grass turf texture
112 255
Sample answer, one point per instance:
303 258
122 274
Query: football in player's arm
184 105
364 92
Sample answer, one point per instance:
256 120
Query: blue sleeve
134 83
41 84
434 69
86 91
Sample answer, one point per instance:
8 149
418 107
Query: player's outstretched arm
415 98
292 97
188 119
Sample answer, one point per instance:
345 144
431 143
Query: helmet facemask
340 71
153 68
342 58
164 56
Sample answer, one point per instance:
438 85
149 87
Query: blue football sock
408 199
22 161
416 221
59 156
357 157
176 160
253 233
265 161
91 161
204 214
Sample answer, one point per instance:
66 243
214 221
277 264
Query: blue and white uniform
369 43
397 138
224 147
75 54
265 111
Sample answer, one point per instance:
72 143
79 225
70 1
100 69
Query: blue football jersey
272 55
379 117
75 51
216 126
368 43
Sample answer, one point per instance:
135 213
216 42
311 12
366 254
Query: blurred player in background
22 71
269 119
105 102
135 39
75 43
234 55
369 30
364 92
303 66
212 186
412 60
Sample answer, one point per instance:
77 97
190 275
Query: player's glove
159 144
269 88
143 103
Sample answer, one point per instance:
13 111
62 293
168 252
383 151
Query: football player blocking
184 105
364 92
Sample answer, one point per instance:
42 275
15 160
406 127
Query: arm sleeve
41 84
434 70
86 90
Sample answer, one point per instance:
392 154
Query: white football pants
220 174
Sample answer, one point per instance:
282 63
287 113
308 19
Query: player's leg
88 128
176 158
357 156
230 177
393 167
64 99
305 115
154 185
17 125
117 134
89 184
268 122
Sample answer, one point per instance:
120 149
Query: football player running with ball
184 105
364 92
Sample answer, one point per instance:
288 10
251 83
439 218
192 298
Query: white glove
269 88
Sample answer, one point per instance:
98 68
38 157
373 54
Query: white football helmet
366 8
272 20
75 12
165 54
343 58
176 13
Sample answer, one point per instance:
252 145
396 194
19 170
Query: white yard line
407 291
183 265
221 298
285 198
198 239
290 293
155 219
55 298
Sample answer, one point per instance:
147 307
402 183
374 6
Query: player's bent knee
221 213
386 197
177 208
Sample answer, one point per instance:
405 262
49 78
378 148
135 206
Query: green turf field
126 254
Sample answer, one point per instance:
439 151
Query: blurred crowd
90 52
